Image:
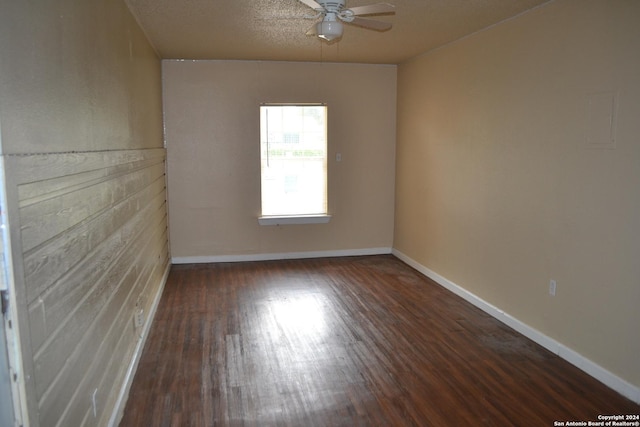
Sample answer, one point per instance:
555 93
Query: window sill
294 219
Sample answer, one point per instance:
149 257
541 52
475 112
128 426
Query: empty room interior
468 251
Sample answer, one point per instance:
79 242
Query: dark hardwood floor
362 341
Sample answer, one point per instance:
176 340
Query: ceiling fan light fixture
329 30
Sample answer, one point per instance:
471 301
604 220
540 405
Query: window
293 156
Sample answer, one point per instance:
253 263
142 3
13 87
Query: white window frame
296 219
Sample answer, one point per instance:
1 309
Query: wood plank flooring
359 341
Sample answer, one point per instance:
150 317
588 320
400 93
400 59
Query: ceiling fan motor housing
332 5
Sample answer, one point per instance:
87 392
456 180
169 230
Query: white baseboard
281 255
618 384
118 409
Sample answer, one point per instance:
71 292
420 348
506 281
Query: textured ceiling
275 29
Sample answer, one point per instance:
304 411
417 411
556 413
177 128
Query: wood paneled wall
90 248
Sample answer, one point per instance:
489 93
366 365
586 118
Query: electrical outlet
552 287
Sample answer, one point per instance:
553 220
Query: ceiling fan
334 13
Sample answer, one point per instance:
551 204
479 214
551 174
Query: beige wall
212 135
81 134
76 76
498 189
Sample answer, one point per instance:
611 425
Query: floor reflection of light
292 353
303 314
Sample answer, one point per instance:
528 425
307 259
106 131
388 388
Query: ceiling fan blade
371 24
313 31
373 9
312 4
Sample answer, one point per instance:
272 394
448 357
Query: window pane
293 152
